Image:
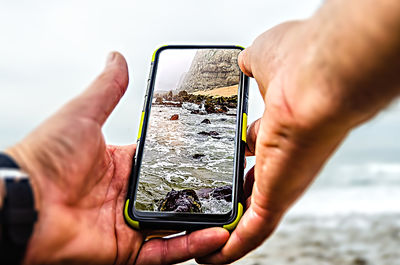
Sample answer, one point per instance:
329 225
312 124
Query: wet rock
213 108
183 94
169 96
204 133
210 108
360 261
196 111
221 100
204 193
233 99
232 105
210 133
206 121
222 109
181 201
216 137
174 117
197 156
220 193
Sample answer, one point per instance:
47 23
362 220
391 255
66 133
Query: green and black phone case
188 221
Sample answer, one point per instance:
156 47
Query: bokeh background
51 50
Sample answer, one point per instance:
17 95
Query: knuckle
189 245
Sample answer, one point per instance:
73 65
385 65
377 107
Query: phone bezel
202 219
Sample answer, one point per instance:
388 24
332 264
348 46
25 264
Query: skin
319 79
80 186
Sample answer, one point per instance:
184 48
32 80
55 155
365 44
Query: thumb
100 98
244 62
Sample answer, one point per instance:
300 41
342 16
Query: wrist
22 160
23 157
361 74
319 80
17 212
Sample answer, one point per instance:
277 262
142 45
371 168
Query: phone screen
188 159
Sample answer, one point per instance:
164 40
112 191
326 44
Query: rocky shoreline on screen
211 104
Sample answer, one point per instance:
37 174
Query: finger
129 240
248 185
179 249
255 226
128 150
150 234
251 138
122 157
244 62
100 98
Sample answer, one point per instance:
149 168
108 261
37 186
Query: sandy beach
219 92
353 239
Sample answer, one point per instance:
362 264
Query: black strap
7 162
17 216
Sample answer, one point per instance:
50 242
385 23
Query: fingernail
110 58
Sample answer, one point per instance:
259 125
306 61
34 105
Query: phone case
183 221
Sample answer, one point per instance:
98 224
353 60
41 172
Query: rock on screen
188 156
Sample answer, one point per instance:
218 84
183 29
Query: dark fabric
7 162
17 216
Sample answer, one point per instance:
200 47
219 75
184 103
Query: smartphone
187 172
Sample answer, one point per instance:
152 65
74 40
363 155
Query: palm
86 188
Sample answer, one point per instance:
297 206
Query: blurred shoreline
351 239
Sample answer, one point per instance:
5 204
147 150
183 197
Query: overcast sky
172 64
51 50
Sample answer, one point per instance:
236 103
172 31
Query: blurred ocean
348 188
351 187
363 176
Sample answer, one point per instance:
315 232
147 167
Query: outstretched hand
303 123
80 185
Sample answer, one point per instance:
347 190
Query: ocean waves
187 153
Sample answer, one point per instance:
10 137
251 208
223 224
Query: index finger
251 138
